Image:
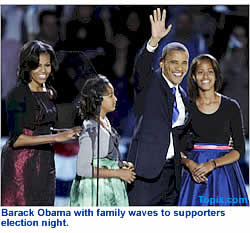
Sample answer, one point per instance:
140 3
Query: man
184 33
160 117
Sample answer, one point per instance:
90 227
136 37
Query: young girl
112 173
213 176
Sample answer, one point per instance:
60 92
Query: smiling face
175 65
109 101
42 72
205 75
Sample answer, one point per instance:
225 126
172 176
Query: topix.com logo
221 200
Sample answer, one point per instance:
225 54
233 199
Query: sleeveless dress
28 173
211 134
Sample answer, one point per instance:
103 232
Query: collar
171 85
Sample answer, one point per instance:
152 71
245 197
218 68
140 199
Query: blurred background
110 37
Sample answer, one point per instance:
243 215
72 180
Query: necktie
175 109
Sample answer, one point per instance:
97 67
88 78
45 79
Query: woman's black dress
28 173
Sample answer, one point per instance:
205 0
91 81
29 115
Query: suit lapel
167 99
187 105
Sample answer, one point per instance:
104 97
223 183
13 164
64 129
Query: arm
236 123
16 109
143 64
27 140
85 167
204 168
186 146
238 141
191 165
125 174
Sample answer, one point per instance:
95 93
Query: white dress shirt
180 120
180 105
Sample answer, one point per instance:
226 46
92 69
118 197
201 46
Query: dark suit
148 150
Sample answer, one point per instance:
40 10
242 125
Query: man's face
175 65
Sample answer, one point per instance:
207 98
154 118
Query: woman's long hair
29 60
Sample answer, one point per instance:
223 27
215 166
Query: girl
112 192
213 175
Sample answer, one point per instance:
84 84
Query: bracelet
184 157
214 163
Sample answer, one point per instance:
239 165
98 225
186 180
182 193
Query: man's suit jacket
154 110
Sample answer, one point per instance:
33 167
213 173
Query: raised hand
158 29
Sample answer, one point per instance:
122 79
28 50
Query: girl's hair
192 85
91 96
29 60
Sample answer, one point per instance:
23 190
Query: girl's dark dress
28 173
225 185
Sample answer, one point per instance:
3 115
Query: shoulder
158 73
230 103
157 77
17 94
89 124
89 128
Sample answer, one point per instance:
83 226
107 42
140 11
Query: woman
212 175
28 169
96 92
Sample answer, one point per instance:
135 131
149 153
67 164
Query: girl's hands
192 166
127 174
128 165
203 169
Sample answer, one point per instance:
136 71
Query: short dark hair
173 46
89 99
192 85
29 60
